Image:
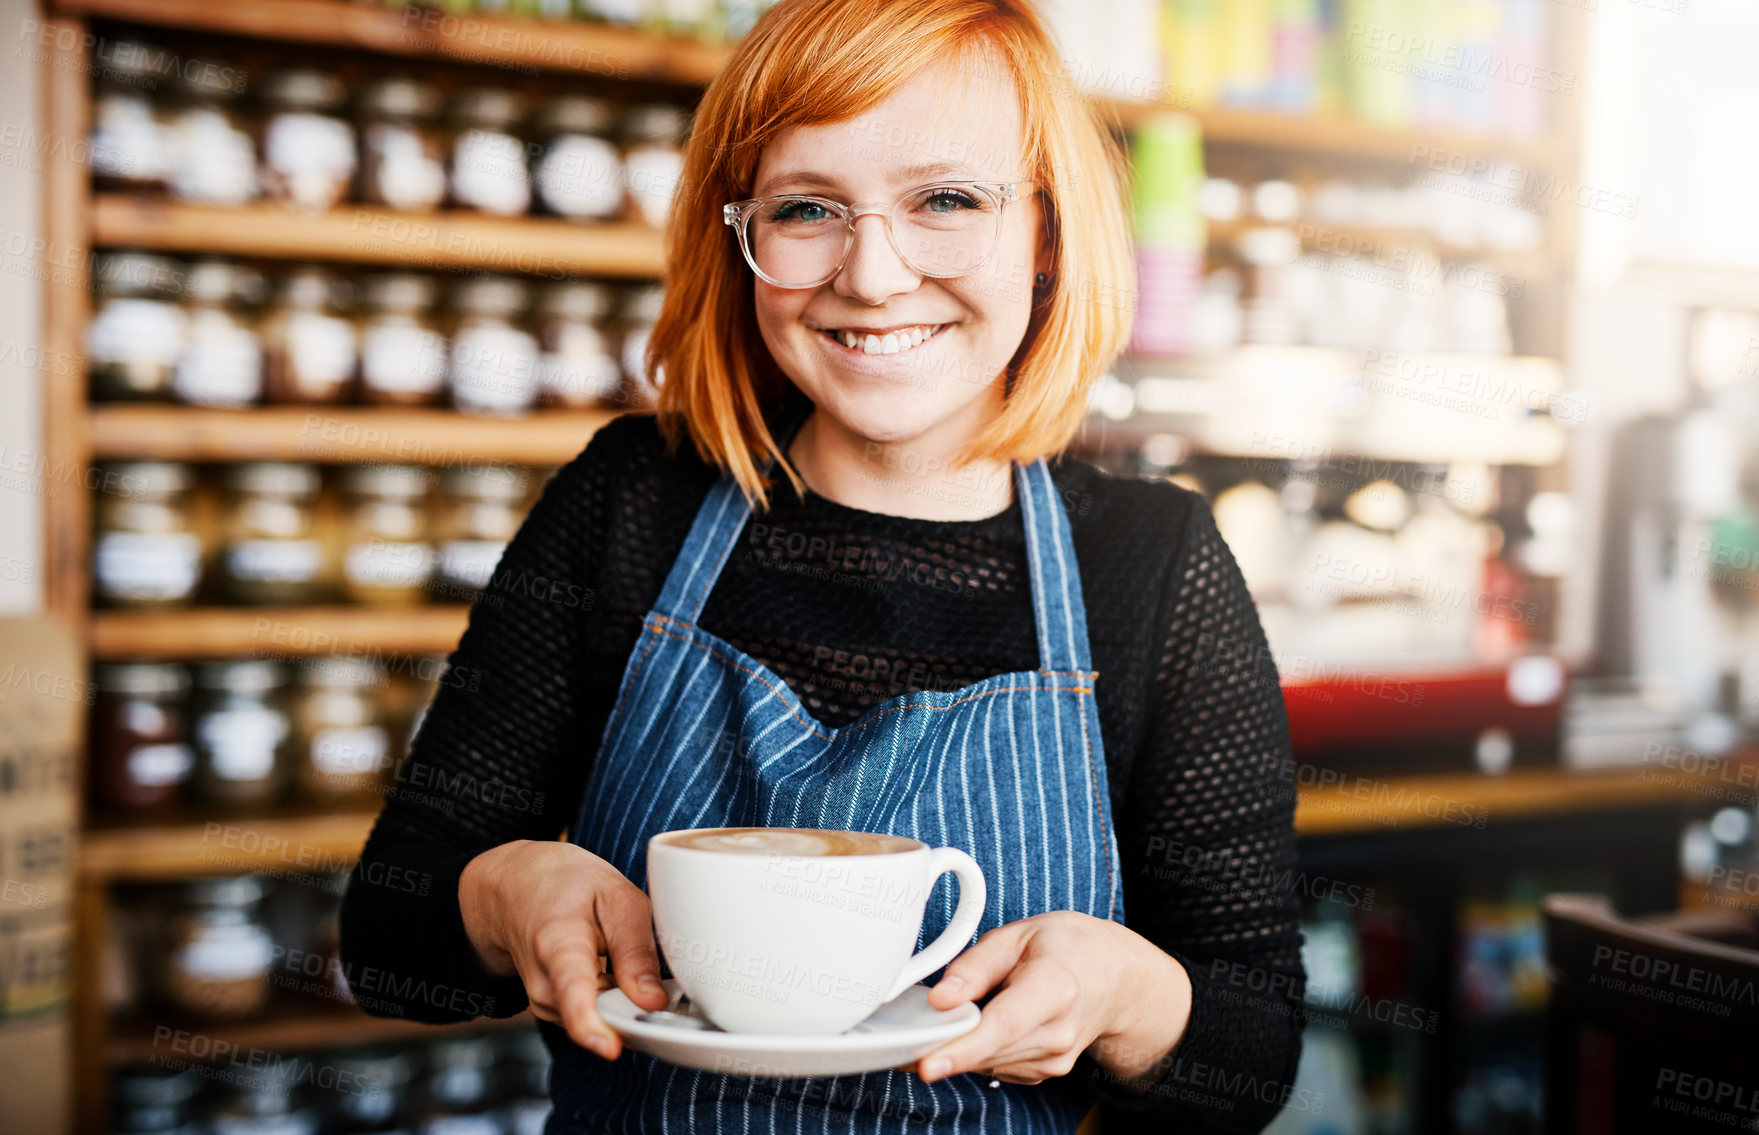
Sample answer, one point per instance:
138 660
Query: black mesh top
852 608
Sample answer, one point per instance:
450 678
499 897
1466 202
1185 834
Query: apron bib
1009 770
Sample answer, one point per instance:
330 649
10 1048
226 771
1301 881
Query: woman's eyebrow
908 175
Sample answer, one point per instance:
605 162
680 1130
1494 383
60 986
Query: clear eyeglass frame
738 214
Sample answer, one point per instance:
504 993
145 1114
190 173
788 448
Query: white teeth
889 344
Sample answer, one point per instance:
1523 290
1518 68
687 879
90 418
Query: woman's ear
1044 253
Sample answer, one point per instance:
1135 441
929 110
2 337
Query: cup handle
966 916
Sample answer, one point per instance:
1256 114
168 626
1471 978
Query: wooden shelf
281 845
216 632
317 843
1336 137
1368 804
1382 245
288 1028
360 234
564 47
339 435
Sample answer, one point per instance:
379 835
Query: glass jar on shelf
460 1090
641 310
381 1104
488 172
480 510
242 732
340 729
653 158
138 329
222 359
141 759
146 553
402 154
128 139
308 148
151 1099
266 1104
218 957
270 552
386 557
403 354
309 345
579 174
494 360
577 366
212 158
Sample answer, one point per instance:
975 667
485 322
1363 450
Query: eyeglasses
946 229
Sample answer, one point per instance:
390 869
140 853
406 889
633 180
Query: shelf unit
77 433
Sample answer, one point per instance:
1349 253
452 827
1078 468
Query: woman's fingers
981 968
1009 1018
572 966
626 921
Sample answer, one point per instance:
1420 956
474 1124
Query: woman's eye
800 211
951 200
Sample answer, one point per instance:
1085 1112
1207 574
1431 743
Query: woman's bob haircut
812 62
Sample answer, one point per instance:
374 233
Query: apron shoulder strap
1056 578
718 524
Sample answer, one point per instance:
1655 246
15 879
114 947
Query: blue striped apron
1009 769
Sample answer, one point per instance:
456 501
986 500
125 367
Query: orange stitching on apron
860 724
618 708
1099 810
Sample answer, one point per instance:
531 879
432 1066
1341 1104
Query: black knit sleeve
501 755
1207 843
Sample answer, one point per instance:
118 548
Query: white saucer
899 1032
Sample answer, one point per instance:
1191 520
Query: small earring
1041 279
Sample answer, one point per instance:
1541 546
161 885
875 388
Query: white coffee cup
801 931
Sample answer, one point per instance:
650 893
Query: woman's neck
911 479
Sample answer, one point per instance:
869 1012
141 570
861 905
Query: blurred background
1449 307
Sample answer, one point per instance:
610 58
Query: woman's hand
548 912
1068 981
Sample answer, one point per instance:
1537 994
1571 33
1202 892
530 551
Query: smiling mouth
894 342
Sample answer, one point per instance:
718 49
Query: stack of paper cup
1167 152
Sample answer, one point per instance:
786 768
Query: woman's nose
873 271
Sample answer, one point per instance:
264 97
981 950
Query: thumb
627 924
979 970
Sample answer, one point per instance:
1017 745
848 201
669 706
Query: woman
926 628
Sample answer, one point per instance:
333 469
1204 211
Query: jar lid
253 676
487 108
342 673
142 679
150 1085
404 482
657 122
224 890
643 304
274 478
574 114
302 89
137 274
223 282
379 1069
397 291
462 1052
312 288
501 484
209 78
584 302
399 97
149 478
131 58
500 296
